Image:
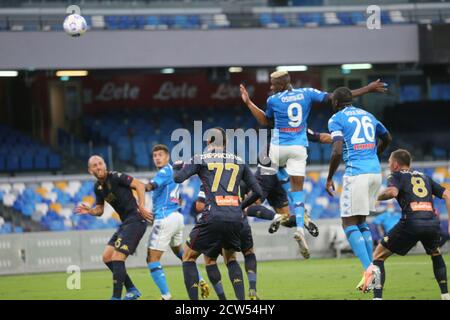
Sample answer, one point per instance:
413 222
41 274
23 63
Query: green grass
408 277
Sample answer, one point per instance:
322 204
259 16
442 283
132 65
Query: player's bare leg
298 202
235 273
190 272
215 277
251 268
204 287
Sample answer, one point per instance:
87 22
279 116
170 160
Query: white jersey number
296 120
369 130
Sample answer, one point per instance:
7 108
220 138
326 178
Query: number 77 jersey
359 130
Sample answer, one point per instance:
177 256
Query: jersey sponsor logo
421 206
291 129
364 146
124 247
232 201
386 239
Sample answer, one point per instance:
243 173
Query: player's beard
101 174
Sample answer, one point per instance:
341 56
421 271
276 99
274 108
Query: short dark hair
402 156
159 147
343 96
219 143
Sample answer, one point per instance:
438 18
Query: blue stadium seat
2 162
12 163
54 161
40 161
410 92
26 161
315 18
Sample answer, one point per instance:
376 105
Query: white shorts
293 157
167 232
359 194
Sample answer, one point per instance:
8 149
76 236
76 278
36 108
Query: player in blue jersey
289 108
168 223
355 133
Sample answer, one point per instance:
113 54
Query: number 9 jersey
290 110
359 130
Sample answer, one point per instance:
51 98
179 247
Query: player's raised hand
244 94
377 86
82 209
330 188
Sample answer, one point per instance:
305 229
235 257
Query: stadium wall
232 47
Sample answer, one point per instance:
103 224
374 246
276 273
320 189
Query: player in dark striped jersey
221 222
414 192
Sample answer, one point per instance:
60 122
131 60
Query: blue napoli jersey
290 110
165 195
359 130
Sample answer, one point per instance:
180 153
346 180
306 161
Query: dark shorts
127 236
245 237
207 236
406 234
273 191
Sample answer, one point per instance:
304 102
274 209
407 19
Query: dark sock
378 292
440 272
250 268
119 274
128 283
191 279
235 274
260 212
216 279
292 222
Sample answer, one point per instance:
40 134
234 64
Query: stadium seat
26 161
40 161
54 162
12 163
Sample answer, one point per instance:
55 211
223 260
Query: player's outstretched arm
388 193
319 137
183 171
85 209
336 156
259 115
375 86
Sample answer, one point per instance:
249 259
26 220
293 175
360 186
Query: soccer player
221 223
168 222
116 189
246 247
355 133
290 108
414 192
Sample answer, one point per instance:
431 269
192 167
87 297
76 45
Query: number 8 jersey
415 193
290 110
359 130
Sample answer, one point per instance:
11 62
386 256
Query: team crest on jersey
386 239
124 247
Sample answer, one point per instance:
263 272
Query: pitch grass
408 278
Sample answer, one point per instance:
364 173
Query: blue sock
298 199
158 276
367 235
358 244
180 256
